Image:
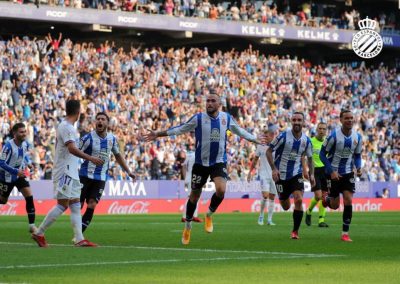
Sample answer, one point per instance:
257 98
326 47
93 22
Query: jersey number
3 188
196 179
279 188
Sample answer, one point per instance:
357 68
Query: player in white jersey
14 156
99 143
341 153
268 189
67 188
187 175
210 156
287 171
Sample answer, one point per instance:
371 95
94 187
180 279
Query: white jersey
264 170
64 161
188 164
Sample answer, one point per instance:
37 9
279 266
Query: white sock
188 225
271 205
50 218
209 213
262 208
76 221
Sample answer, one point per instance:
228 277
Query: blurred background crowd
154 88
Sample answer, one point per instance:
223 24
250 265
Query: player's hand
359 173
21 174
335 176
312 180
150 136
97 161
262 139
275 175
132 176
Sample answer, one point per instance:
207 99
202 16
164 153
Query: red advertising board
148 206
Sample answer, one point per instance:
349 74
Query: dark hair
298 112
343 111
321 122
103 113
72 107
16 127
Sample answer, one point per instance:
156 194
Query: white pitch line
139 262
194 249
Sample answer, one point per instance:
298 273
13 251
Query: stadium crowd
151 88
250 11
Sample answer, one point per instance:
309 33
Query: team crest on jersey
303 143
223 121
109 144
355 141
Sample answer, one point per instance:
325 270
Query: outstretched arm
235 128
177 130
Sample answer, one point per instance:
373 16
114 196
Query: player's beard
296 128
211 111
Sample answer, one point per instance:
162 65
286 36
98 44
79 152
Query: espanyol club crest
223 121
367 43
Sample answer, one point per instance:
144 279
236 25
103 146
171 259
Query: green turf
147 249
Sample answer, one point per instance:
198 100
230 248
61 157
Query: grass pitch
147 249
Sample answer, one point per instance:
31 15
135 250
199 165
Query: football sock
297 216
262 203
190 208
76 221
30 209
215 202
50 218
87 218
347 214
322 212
271 205
311 206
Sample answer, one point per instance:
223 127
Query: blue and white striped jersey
93 145
12 159
288 152
211 136
341 153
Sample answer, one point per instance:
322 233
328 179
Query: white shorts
67 188
268 185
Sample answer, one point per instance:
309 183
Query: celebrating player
210 156
287 170
98 143
14 155
340 153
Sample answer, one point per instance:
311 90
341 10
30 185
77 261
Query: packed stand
249 11
145 88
